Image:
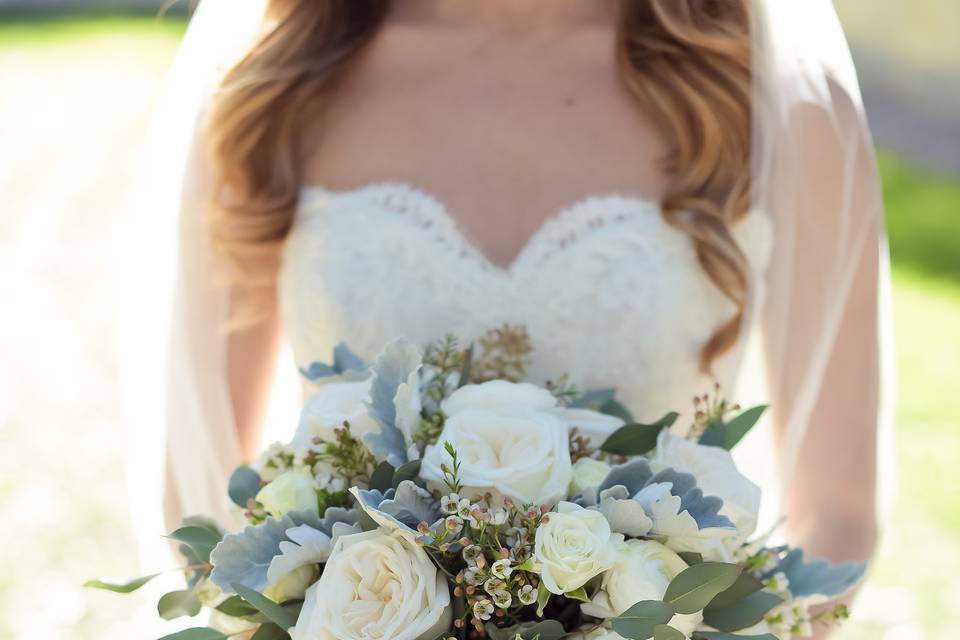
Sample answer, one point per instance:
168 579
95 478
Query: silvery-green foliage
402 508
393 366
344 360
625 481
543 630
819 577
244 557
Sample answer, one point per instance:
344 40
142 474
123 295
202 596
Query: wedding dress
610 293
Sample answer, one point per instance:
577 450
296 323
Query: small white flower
527 594
493 585
573 546
501 568
450 503
503 599
454 524
498 516
483 609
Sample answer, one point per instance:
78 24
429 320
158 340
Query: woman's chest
505 133
608 292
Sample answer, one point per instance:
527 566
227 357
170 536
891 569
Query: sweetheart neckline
585 207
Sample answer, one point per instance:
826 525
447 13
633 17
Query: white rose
509 441
716 475
594 426
376 586
293 585
333 404
588 474
573 546
641 571
294 490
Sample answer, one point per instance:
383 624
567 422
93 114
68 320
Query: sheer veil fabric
813 174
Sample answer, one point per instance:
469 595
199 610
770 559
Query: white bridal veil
813 174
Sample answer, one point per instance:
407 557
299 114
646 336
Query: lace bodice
610 293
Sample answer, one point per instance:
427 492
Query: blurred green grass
919 561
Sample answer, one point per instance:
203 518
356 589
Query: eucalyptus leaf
694 588
196 633
614 408
543 630
177 604
636 439
407 471
690 557
747 612
236 607
244 485
270 631
382 477
745 585
720 635
726 435
639 621
200 539
393 366
128 586
665 632
274 612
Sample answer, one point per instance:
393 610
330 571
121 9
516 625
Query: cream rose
330 406
641 571
293 490
509 440
588 474
375 586
573 546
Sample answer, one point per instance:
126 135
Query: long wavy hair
687 63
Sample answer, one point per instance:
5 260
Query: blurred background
76 85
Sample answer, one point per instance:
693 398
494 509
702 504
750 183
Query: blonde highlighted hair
687 62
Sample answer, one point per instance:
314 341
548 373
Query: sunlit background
75 94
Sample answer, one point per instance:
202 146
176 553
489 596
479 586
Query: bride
647 185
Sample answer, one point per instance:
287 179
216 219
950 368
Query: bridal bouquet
432 495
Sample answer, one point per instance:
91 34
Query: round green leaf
244 485
177 604
665 632
639 621
696 586
120 587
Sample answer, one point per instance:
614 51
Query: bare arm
824 350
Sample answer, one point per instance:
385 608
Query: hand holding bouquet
433 495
